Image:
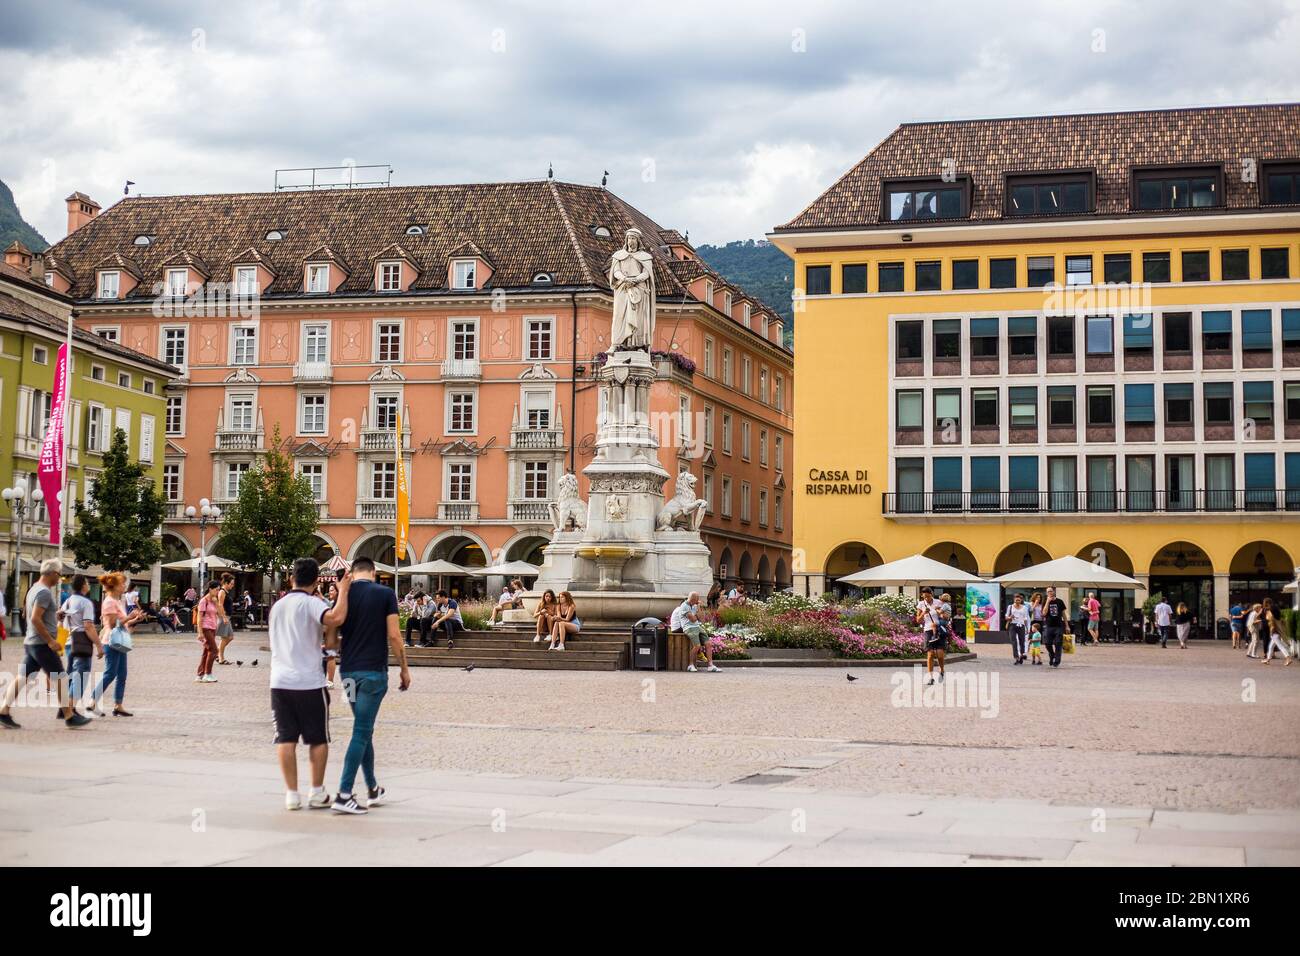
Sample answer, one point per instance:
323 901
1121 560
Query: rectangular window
744 501
910 410
108 284
1060 335
1002 273
762 447
1257 330
1078 270
390 276
314 474
1275 263
933 200
244 349
708 357
985 481
746 374
1139 334
1291 468
779 449
1180 481
246 281
386 412
1062 484
1178 332
241 413
1140 404
947 408
1177 189
1291 328
726 496
818 279
1036 196
726 367
965 273
1257 402
744 441
984 407
464 274
539 340
890 276
1218 402
909 342
1117 267
318 278
1022 480
383 480
928 277
984 335
537 406
177 281
1261 481
1155 267
174 421
726 433
1022 336
1236 264
945 481
235 472
1216 331
1060 405
389 344
909 484
172 482
1140 483
947 338
315 344
1292 393
537 483
1101 483
460 481
1042 271
1101 405
1024 406
96 432
124 379
1196 267
762 507
313 415
1100 335
462 412
853 279
1281 184
1178 403
174 350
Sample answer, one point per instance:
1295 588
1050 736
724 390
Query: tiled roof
1109 143
115 260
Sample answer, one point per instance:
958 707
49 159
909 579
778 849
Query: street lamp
205 512
17 498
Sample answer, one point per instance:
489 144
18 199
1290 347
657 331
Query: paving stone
137 843
1262 856
1027 848
1143 854
1246 822
1175 836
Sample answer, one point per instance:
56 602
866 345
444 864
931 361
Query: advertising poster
982 612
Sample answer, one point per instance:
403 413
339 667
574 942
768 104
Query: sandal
223 662
122 712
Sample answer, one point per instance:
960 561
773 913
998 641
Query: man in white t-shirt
300 701
1164 618
685 619
931 616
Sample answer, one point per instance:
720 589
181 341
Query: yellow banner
403 496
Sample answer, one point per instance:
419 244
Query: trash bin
649 645
1222 630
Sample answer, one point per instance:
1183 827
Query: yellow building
1026 338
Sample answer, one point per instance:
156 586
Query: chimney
18 256
81 209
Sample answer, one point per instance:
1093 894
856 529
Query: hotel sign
837 481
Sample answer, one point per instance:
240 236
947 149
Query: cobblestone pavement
1124 755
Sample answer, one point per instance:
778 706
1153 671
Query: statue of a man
632 278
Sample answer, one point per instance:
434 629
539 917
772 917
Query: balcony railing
462 369
377 510
536 438
381 439
458 511
313 372
1092 502
239 440
530 511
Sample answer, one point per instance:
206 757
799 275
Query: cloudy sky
718 117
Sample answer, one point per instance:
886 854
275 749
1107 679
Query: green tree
274 520
118 529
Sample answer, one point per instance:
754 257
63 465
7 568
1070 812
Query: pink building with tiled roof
479 311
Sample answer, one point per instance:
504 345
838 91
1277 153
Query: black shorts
301 714
39 657
935 642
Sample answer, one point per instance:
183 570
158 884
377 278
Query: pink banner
50 470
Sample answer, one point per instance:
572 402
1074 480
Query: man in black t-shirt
1056 623
369 634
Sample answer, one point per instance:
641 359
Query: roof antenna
604 179
550 171
126 190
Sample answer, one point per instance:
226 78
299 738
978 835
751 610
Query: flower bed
880 627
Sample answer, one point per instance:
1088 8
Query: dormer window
543 278
601 232
923 199
1049 195
275 235
318 278
464 273
747 315
708 292
390 277
177 281
109 283
246 281
49 279
414 230
1179 187
143 240
1281 184
726 303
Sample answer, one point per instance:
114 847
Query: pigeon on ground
469 669
254 663
238 662
850 677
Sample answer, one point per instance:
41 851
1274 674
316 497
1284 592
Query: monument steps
485 649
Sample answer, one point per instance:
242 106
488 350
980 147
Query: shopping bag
62 638
1068 645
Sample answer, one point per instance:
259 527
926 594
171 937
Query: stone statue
632 279
568 511
684 511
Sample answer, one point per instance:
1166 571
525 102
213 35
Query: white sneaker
199 680
691 668
713 668
293 800
209 679
318 801
559 647
537 639
349 804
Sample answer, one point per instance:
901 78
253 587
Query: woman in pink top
209 620
112 614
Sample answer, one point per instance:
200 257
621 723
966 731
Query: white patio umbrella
192 564
1069 572
905 572
438 566
508 569
1290 588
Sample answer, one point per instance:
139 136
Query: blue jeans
365 690
114 670
80 668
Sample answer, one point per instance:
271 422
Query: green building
112 387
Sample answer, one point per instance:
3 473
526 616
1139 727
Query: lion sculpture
568 511
684 511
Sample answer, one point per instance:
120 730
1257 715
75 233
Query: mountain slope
757 267
13 226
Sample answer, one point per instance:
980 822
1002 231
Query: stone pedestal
626 563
